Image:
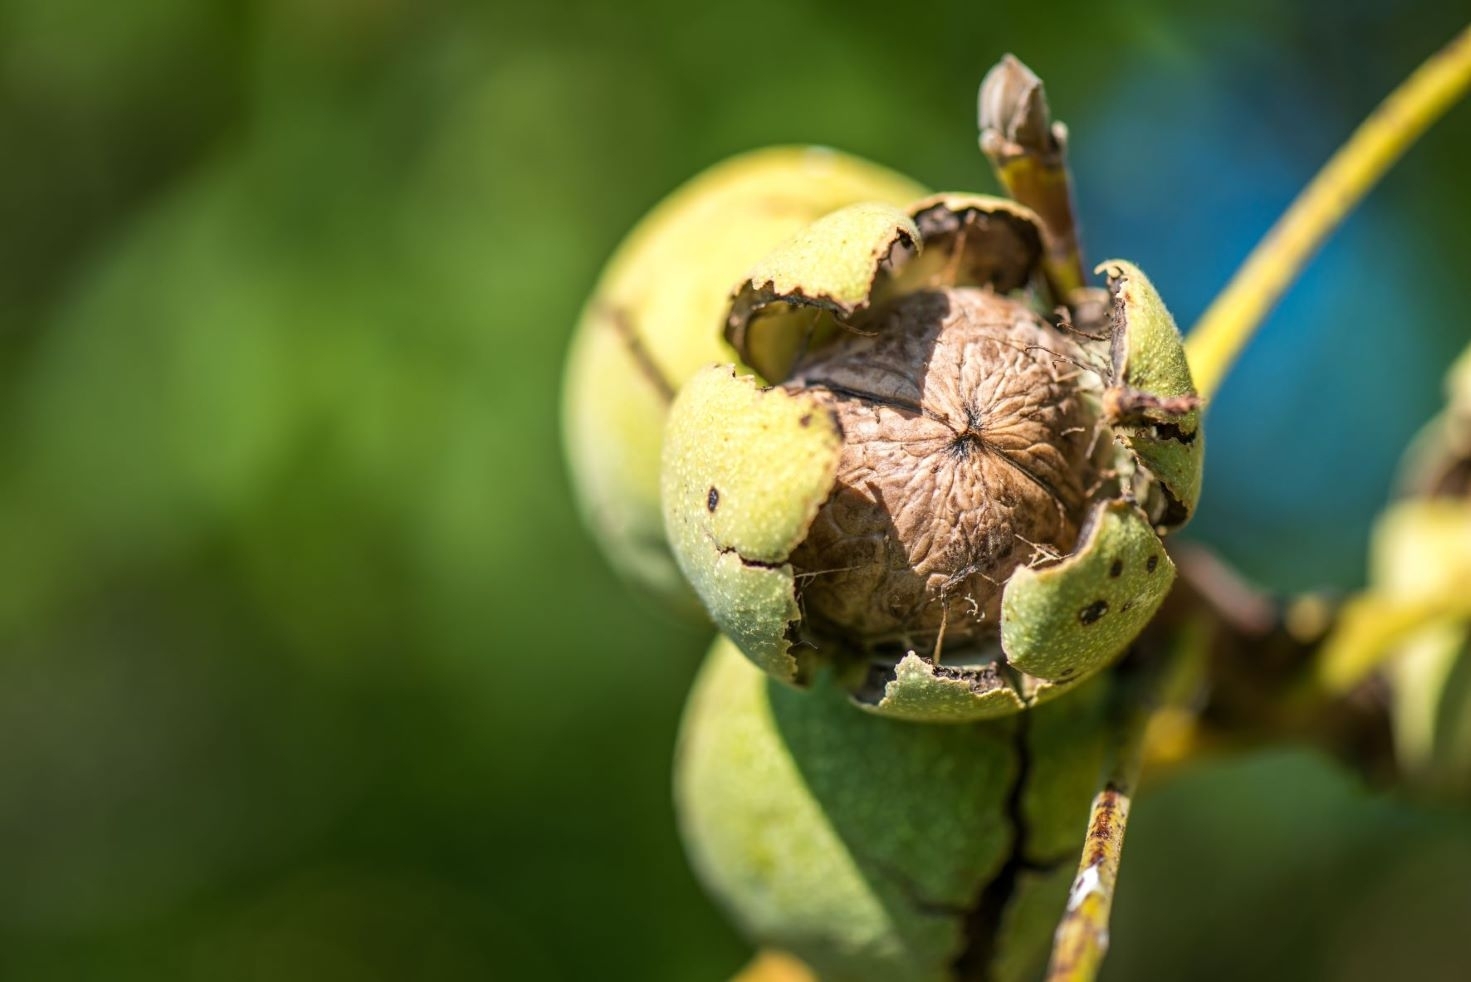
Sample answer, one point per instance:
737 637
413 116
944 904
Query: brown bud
1012 109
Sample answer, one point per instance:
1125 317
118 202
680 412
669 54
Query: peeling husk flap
976 240
1153 405
824 274
745 469
829 275
1070 619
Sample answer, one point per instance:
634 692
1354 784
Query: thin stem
1380 140
1081 939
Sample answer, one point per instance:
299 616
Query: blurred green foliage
306 670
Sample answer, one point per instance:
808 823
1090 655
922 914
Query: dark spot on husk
712 499
1091 613
1172 431
1117 569
1151 564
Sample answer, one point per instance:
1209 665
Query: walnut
920 465
966 445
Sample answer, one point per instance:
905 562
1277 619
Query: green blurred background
306 669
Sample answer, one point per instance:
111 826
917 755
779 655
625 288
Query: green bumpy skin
1158 414
1060 622
1069 620
656 316
874 849
728 443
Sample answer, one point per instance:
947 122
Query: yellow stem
1277 260
1081 939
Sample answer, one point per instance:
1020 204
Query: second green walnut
875 849
932 484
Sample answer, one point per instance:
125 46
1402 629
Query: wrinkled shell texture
966 455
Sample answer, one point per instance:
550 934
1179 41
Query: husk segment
822 276
728 443
1068 620
824 279
1152 404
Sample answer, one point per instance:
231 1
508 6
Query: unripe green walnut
876 849
1422 560
1417 606
938 470
656 316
